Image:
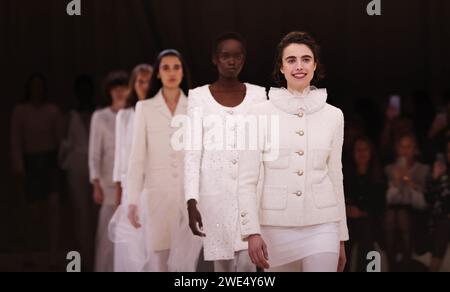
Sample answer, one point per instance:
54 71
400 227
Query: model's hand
118 200
342 258
195 219
133 216
257 250
98 194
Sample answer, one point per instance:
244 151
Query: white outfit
101 165
131 253
211 171
303 187
323 262
156 170
73 158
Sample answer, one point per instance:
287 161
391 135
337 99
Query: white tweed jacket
304 185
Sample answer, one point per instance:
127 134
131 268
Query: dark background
404 50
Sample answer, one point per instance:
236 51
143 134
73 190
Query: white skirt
288 245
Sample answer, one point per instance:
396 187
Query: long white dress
73 158
131 250
211 175
101 165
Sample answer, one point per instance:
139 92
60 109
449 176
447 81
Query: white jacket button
298 194
300 173
301 153
301 133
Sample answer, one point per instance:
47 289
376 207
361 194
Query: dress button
300 115
301 153
245 222
234 161
244 214
230 112
300 173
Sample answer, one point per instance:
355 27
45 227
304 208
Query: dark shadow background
366 58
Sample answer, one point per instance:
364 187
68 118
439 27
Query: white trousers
240 264
324 262
158 262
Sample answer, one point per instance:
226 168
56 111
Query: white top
34 130
101 151
303 182
211 170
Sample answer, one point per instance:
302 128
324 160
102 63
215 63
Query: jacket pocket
320 158
324 195
282 162
274 198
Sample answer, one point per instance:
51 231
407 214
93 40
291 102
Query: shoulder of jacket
335 111
263 107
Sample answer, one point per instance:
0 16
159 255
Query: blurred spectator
395 126
438 197
365 190
36 134
407 181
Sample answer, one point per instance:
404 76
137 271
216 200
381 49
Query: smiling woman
302 212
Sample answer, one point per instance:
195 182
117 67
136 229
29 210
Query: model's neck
171 94
228 82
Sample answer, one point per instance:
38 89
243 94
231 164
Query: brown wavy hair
297 37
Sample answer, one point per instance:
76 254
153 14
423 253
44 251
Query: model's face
171 72
406 149
298 66
142 84
230 59
362 153
119 96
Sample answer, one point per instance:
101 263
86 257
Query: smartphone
395 101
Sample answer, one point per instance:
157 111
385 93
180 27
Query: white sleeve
118 163
193 155
337 177
95 147
250 188
138 156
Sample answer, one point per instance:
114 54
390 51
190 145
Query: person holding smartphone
407 180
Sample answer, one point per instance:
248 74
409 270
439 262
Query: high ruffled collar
309 101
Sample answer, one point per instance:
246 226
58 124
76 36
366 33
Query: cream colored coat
155 168
304 186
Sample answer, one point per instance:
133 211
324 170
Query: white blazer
155 168
304 185
211 172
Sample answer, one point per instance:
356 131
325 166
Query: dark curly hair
297 37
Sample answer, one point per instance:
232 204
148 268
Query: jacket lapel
161 106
